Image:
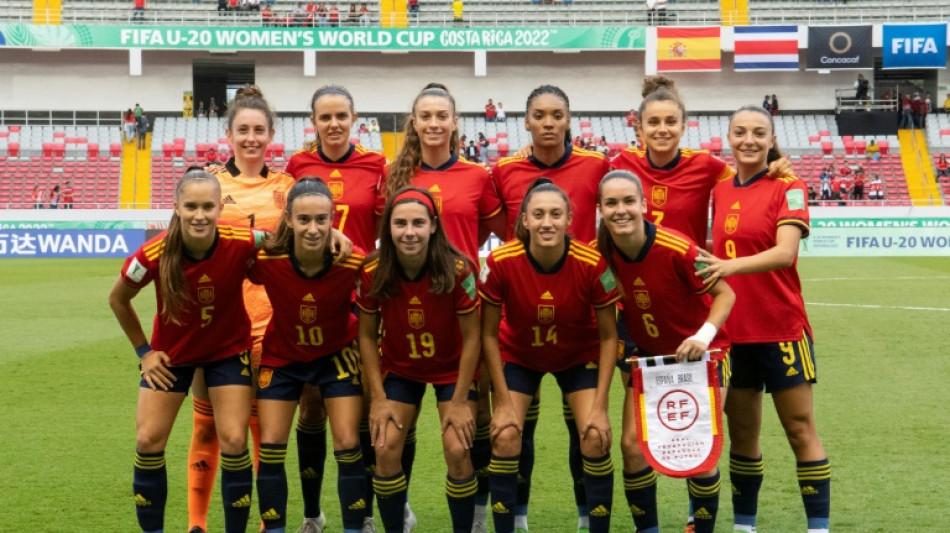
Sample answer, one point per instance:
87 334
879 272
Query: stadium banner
839 47
271 38
69 243
688 49
863 240
765 48
678 414
914 46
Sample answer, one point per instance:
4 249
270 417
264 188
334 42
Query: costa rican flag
766 47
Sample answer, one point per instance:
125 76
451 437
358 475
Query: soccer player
665 313
422 289
198 268
558 302
469 210
309 340
758 224
355 176
577 172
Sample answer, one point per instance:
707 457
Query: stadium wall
601 81
835 232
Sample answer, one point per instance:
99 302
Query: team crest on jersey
263 379
658 195
437 196
280 199
732 223
206 295
336 189
417 318
308 314
545 313
642 298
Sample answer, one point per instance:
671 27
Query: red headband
419 197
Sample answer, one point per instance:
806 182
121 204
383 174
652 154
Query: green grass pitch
69 382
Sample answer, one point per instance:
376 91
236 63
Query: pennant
766 47
678 415
688 49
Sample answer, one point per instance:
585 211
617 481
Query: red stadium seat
278 150
502 134
13 149
47 150
812 139
860 147
705 145
826 147
502 149
585 124
884 146
824 133
849 147
943 133
14 129
309 130
847 139
167 149
59 134
4 134
692 124
115 150
92 151
586 135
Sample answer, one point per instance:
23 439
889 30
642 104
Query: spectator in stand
323 16
827 193
253 5
66 199
767 104
502 116
632 118
373 126
54 196
222 7
363 128
334 17
602 146
491 112
364 16
877 188
211 156
202 111
37 197
907 117
353 16
861 86
483 147
915 109
137 111
656 12
142 130
413 6
943 168
946 104
458 11
812 195
267 19
857 189
873 151
212 108
128 120
233 5
138 11
774 108
471 152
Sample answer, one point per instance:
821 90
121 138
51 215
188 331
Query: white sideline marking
871 306
878 279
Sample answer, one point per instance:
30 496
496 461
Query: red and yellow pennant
688 49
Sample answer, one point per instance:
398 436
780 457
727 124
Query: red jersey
464 195
214 326
769 305
422 339
312 315
256 201
677 194
664 302
578 174
355 180
548 322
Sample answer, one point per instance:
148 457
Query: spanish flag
688 49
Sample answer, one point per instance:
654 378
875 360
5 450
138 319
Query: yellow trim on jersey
371 266
582 258
493 214
353 262
608 303
585 251
363 150
467 310
505 252
510 159
264 255
370 311
806 229
154 250
671 241
707 286
488 299
636 151
472 164
578 151
787 178
514 243
233 232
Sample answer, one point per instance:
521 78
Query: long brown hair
403 168
605 242
538 185
171 276
281 241
319 93
442 257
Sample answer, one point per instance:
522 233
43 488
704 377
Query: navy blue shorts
234 370
773 366
526 381
337 375
402 390
627 347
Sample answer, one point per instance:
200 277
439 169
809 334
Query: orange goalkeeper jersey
256 201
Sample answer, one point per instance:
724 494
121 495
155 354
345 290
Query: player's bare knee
150 442
592 445
508 443
233 443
